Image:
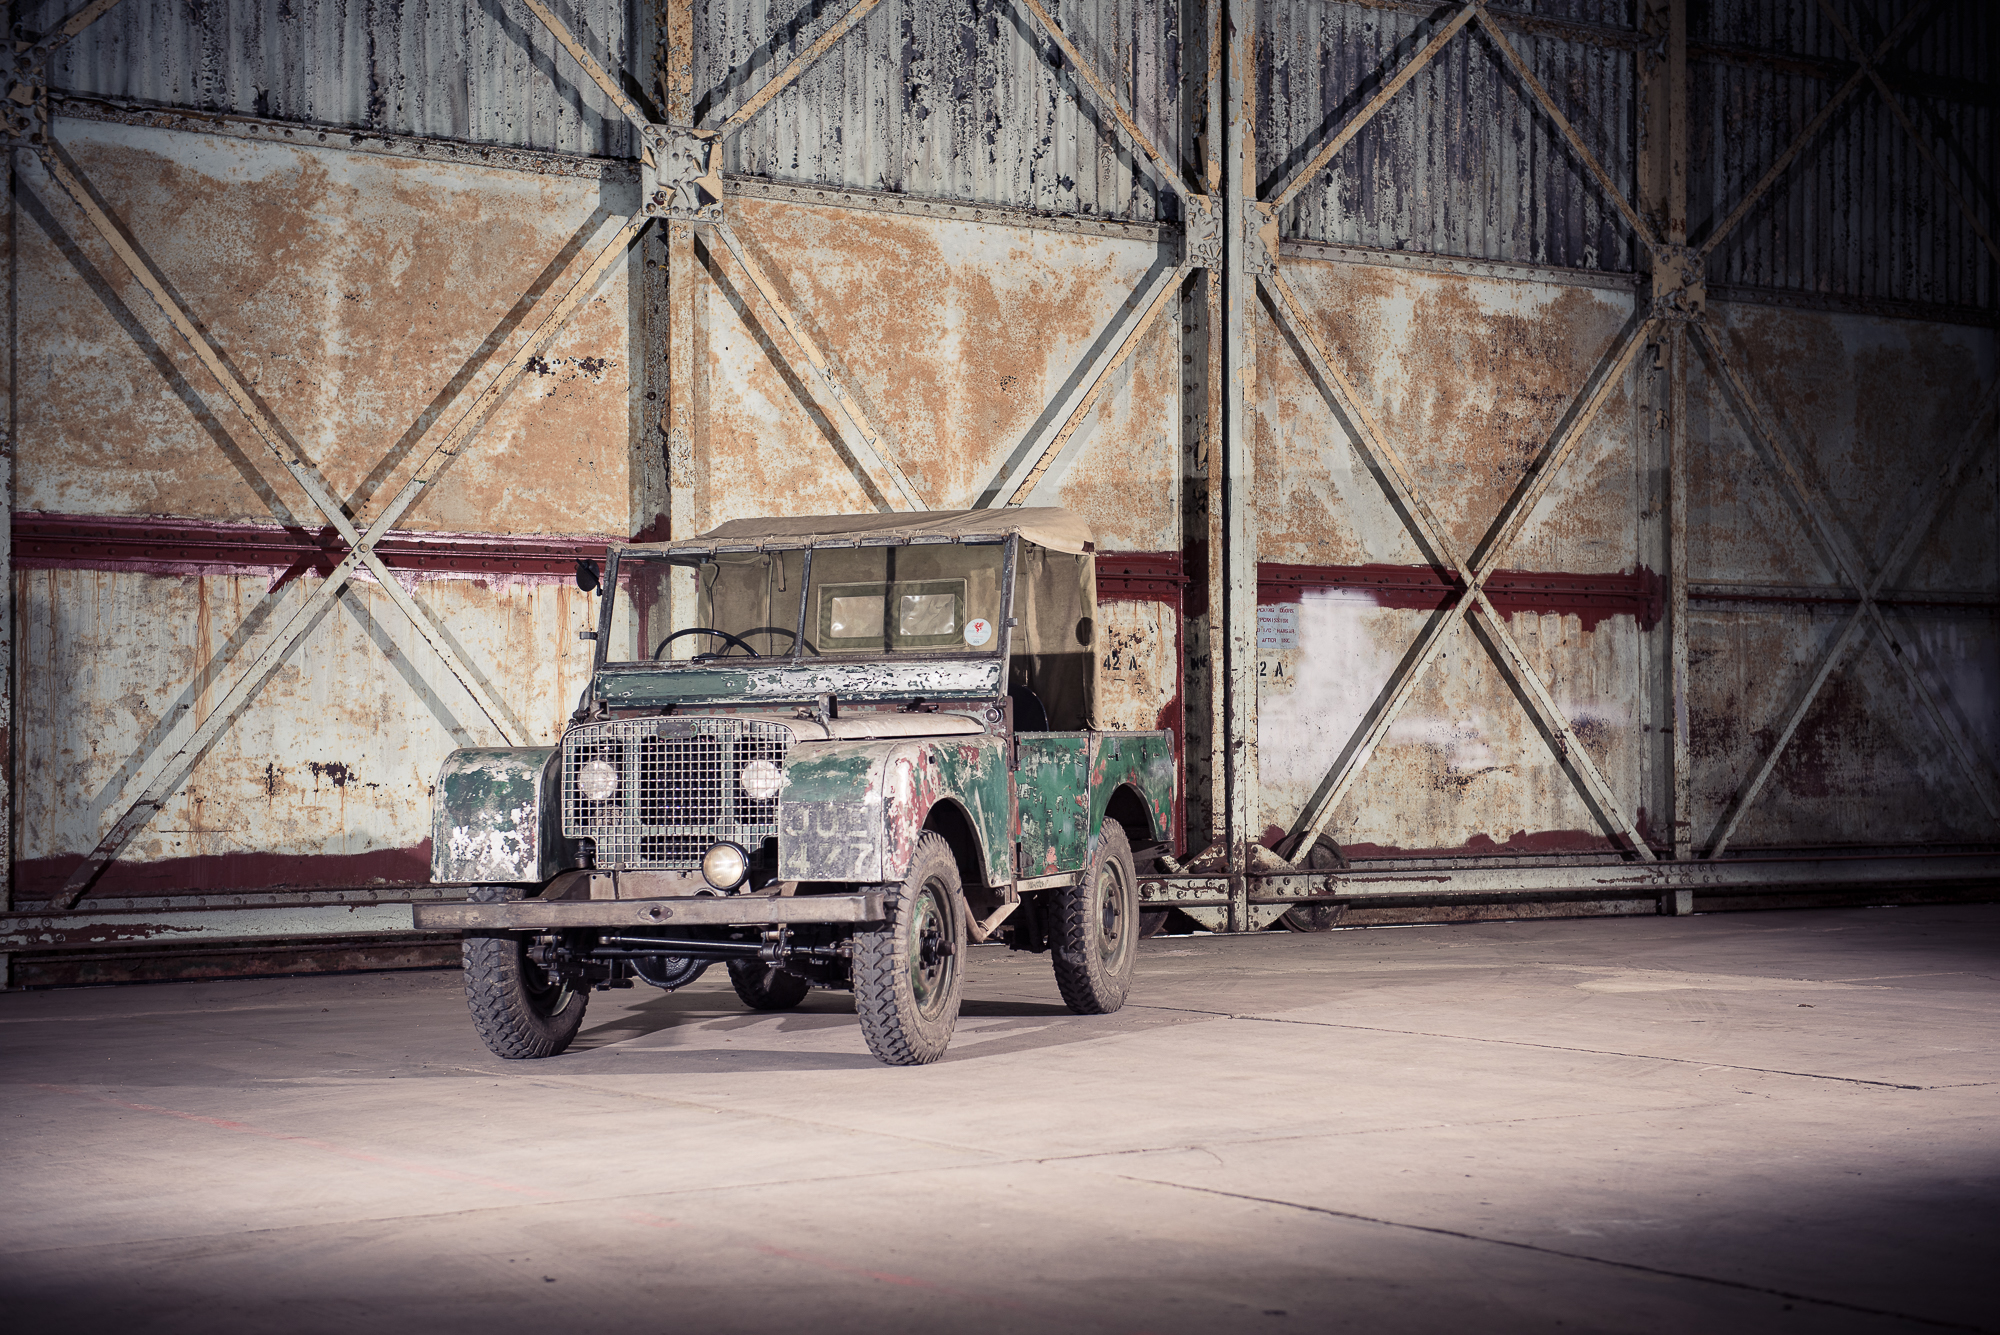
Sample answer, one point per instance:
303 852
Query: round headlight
724 866
597 779
761 779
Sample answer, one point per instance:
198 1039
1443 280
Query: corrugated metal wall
1861 214
483 73
950 99
1461 163
940 206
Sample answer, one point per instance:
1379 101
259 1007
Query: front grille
677 788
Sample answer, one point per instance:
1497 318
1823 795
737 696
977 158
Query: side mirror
586 575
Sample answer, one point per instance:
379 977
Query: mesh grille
677 788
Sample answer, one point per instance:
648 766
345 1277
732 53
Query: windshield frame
609 592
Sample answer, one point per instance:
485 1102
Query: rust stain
955 334
1468 378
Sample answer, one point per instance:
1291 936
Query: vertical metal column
1244 234
7 439
683 470
1663 202
1677 486
1203 800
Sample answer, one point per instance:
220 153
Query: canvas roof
1046 526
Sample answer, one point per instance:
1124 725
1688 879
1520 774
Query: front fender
496 816
851 811
830 812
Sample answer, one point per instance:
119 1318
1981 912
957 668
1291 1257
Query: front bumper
534 915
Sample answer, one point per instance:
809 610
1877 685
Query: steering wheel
705 630
785 630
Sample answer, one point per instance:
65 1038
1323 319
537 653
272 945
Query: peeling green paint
1054 796
493 819
973 770
1143 761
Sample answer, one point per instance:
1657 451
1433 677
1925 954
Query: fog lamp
761 779
597 779
724 866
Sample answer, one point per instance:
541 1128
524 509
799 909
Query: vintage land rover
828 752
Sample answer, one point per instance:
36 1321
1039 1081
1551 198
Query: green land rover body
828 752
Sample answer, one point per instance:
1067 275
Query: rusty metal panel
364 298
1468 378
1870 404
486 73
1860 214
1460 163
1868 400
1138 672
1463 770
956 335
326 781
1864 767
949 99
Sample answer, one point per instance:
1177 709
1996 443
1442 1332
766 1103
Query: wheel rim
931 965
1116 921
546 996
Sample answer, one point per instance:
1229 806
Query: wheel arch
1129 810
949 819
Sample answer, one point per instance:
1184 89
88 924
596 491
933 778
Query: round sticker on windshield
978 631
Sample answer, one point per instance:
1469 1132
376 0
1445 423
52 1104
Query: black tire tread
503 1014
878 967
1085 987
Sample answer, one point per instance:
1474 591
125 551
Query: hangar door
1529 445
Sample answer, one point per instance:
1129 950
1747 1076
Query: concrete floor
1779 1121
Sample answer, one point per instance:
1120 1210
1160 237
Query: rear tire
909 973
518 1012
1097 929
764 988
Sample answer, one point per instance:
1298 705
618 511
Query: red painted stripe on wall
1640 594
200 546
1140 577
40 879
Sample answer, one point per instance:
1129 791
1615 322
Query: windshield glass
928 599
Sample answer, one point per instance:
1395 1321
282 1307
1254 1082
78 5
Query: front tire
763 988
909 973
1097 929
518 1011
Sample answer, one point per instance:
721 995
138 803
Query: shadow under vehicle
828 752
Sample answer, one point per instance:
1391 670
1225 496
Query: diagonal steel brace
1605 182
867 447
1340 139
1163 293
1870 65
1911 23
